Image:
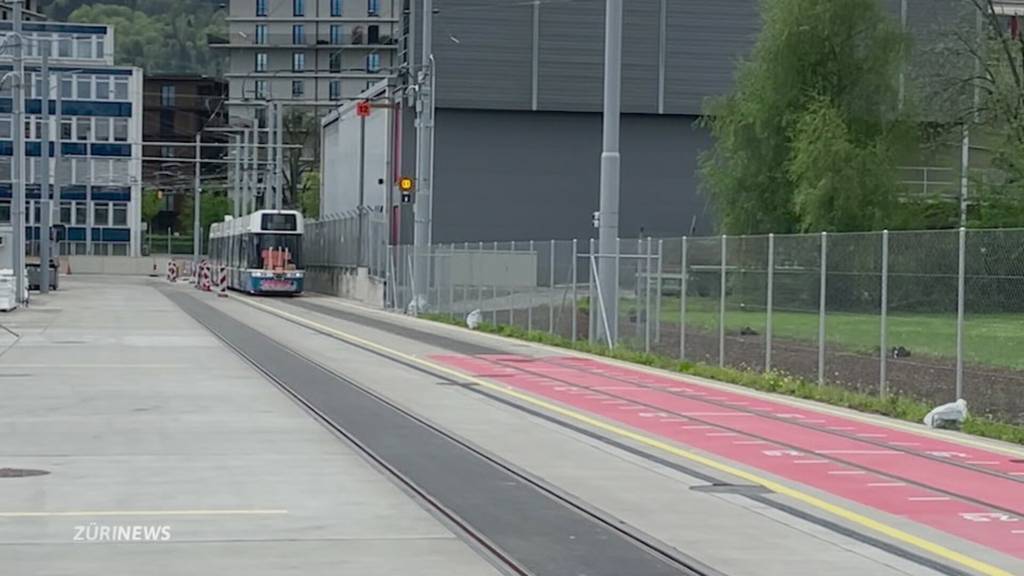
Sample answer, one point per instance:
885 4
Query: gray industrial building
519 100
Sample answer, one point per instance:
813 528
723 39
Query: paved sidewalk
165 453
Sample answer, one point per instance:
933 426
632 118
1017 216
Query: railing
933 315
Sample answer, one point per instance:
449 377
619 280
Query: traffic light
406 185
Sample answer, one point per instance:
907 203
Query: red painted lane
992 528
904 441
996 491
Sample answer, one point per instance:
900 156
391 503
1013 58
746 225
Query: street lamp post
608 218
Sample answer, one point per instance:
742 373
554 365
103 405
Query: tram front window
277 251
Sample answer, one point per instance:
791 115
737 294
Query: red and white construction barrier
172 271
205 279
222 282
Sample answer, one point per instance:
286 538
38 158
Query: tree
309 198
817 66
215 205
303 129
152 204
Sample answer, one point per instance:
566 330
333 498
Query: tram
262 251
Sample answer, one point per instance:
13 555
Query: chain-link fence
930 315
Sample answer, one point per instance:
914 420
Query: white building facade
99 172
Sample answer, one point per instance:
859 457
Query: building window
120 129
373 62
80 214
101 214
65 213
64 47
65 87
261 7
83 47
261 34
167 122
65 129
336 34
5 127
261 89
121 88
299 7
334 90
298 61
167 96
101 49
373 8
103 87
335 62
298 88
120 214
335 8
83 128
102 129
261 61
298 34
84 85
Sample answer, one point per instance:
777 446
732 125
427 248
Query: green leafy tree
303 129
152 205
819 93
215 205
309 198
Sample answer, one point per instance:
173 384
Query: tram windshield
276 252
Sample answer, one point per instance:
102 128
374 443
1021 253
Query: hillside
161 36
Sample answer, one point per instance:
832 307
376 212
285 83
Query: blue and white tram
262 251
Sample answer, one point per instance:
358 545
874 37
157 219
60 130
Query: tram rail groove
765 500
674 560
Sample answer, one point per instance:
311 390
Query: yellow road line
966 440
846 514
89 513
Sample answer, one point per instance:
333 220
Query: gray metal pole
657 292
494 290
769 305
682 302
196 205
279 159
551 294
608 220
361 174
45 209
575 278
883 336
512 296
18 162
593 312
647 298
529 308
721 305
424 123
960 308
821 308
236 209
57 151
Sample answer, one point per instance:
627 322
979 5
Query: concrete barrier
346 282
114 265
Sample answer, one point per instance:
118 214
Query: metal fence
356 239
932 315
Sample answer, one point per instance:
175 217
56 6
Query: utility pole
45 209
18 166
279 157
608 218
57 143
424 161
236 209
196 204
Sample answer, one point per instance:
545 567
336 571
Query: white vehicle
262 251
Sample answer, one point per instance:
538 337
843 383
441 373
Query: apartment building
307 53
100 132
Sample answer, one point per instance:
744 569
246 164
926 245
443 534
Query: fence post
478 264
512 295
613 291
657 293
960 301
821 309
574 280
529 307
551 294
636 287
682 303
448 263
591 325
647 298
769 304
721 306
883 345
494 288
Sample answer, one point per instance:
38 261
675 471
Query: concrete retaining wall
116 265
346 282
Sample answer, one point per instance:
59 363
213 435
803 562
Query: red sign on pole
363 109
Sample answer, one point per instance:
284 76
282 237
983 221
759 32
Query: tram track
517 521
766 500
747 433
